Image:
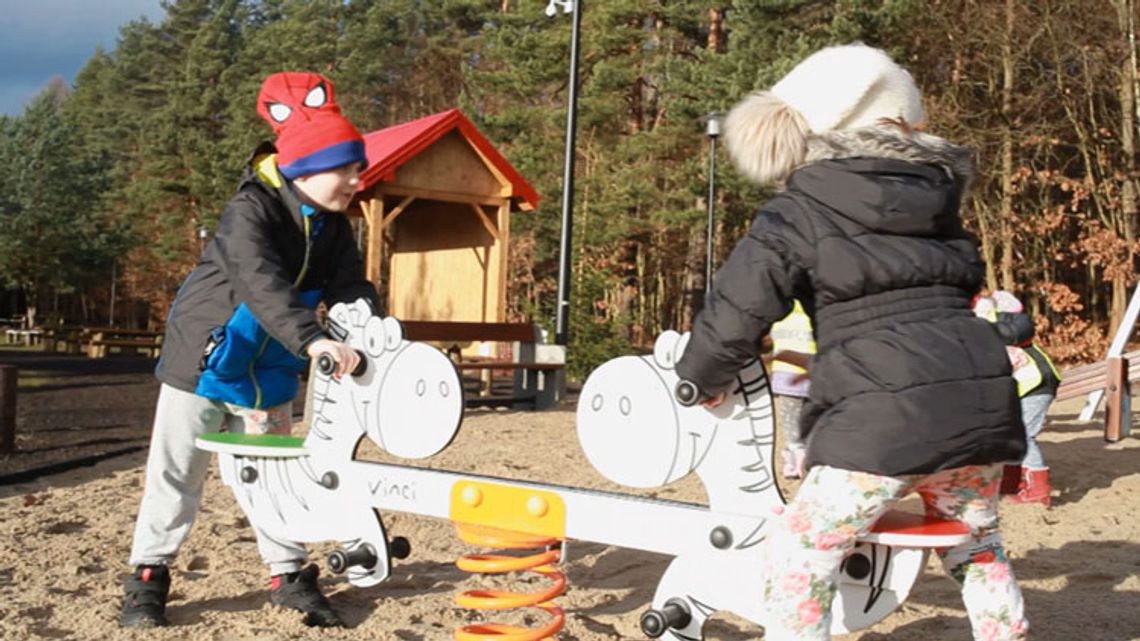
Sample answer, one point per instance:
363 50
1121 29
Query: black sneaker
144 605
299 591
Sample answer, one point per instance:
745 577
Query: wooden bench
140 341
536 383
1113 377
70 339
1078 381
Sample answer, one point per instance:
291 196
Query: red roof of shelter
387 149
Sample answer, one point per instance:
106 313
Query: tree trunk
716 30
986 242
31 304
1005 214
695 284
1128 189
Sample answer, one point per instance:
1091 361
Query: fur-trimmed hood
889 142
768 140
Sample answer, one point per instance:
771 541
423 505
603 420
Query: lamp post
712 130
562 315
114 277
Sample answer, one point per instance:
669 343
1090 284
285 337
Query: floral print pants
834 507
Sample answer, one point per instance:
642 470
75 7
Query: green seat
265 445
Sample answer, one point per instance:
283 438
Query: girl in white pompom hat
910 391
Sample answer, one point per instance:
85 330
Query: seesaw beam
642 523
652 525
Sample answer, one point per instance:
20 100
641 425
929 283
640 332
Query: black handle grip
326 365
687 393
399 547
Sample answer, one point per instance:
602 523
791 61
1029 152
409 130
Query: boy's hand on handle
347 360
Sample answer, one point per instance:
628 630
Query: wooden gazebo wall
446 213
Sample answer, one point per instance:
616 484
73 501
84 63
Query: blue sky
45 38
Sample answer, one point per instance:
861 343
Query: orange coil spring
541 562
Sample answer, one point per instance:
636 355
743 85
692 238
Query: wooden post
374 221
1118 400
504 217
1123 331
8 375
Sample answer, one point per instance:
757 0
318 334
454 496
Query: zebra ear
679 348
665 349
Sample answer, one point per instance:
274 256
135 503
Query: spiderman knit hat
312 135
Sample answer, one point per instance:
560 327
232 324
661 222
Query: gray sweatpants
175 474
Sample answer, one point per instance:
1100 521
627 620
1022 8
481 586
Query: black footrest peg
673 615
341 560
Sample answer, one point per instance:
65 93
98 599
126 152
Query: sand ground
64 541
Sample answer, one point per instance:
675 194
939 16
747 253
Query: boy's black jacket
255 257
867 234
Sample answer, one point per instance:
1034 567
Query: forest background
111 186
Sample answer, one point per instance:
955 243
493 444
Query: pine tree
55 235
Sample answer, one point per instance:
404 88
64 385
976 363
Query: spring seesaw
409 401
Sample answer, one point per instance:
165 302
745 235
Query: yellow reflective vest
793 333
1032 377
1026 366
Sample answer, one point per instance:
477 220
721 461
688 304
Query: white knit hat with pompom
844 87
848 87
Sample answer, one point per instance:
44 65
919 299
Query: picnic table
23 336
534 382
97 342
140 341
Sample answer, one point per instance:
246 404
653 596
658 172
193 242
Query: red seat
907 529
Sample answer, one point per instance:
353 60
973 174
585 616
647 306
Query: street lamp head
712 125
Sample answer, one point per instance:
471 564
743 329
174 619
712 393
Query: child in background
1037 382
792 339
241 328
910 391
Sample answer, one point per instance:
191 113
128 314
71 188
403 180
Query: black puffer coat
867 234
241 321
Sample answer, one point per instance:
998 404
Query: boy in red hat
242 327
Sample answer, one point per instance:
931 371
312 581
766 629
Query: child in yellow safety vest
1037 381
793 338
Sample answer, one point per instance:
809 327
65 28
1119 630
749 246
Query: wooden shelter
437 199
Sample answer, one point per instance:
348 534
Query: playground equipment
408 401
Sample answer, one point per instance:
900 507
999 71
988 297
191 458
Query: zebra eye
374 338
393 333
